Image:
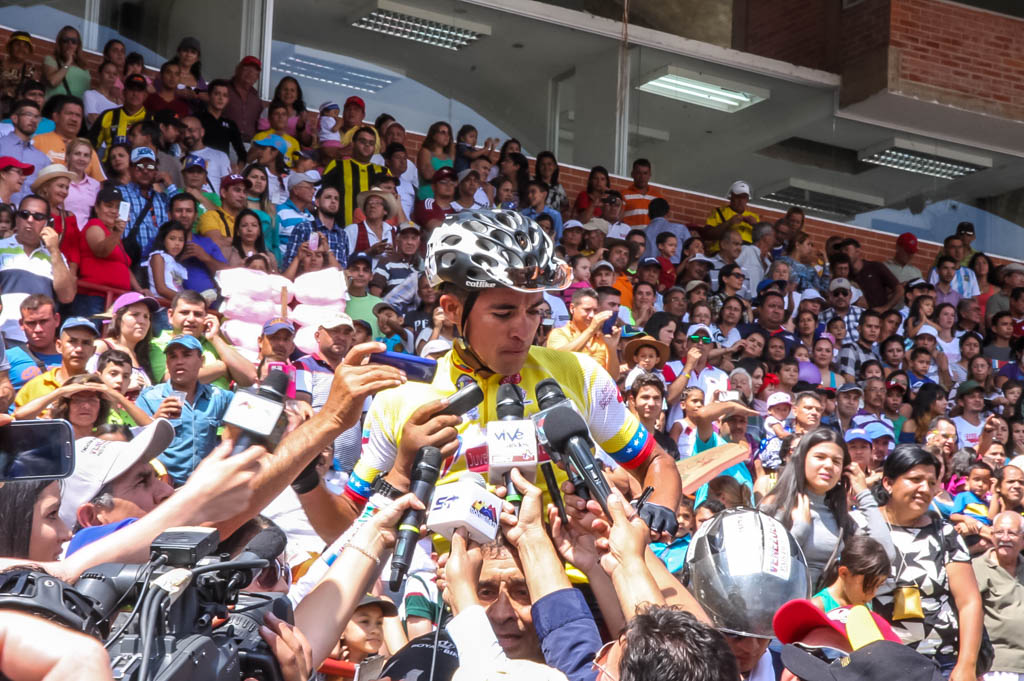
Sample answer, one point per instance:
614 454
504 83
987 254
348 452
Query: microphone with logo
561 429
465 504
511 443
425 472
259 413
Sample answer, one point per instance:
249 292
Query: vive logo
513 436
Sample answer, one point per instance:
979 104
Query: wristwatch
382 486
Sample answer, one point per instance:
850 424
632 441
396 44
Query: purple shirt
953 298
199 278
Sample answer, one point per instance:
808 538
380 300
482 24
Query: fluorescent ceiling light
702 89
422 26
925 158
822 198
335 74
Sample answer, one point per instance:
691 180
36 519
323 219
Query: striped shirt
21 275
288 218
350 177
635 202
314 377
111 125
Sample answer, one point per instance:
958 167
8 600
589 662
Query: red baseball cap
796 619
908 242
251 61
358 101
11 162
232 180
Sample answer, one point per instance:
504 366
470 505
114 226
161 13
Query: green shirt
120 417
77 78
362 308
159 362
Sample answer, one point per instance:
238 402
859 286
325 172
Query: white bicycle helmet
489 248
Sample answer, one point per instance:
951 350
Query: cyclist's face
501 326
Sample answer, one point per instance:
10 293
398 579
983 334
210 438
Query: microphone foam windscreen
562 423
268 544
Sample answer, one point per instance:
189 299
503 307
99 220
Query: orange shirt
624 285
635 202
53 145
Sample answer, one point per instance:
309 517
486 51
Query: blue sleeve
904 436
960 502
567 632
149 401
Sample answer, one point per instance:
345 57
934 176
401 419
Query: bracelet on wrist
359 549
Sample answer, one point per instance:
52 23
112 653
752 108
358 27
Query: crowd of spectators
877 405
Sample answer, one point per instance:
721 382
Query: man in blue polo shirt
197 418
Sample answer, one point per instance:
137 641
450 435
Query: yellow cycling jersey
612 425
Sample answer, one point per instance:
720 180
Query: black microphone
267 544
510 408
424 476
549 395
259 413
567 432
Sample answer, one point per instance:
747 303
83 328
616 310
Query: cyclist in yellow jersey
492 268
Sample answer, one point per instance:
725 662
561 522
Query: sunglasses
738 274
701 339
70 40
274 573
32 215
145 166
841 292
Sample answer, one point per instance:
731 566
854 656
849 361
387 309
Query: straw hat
390 202
640 341
52 172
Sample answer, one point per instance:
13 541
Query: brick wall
795 31
959 56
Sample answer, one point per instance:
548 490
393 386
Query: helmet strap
461 343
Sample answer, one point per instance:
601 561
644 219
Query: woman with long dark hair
516 168
130 331
931 597
192 84
929 403
810 499
588 202
436 152
985 273
289 93
248 240
37 502
547 172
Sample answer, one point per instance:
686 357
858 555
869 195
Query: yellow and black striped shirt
350 177
112 124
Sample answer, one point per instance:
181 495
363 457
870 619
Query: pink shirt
81 198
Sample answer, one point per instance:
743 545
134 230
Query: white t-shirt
326 132
96 102
967 433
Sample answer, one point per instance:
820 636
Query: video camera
179 625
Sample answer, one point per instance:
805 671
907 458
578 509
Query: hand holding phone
314 241
123 210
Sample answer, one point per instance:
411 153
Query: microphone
511 443
465 504
424 476
259 413
268 544
563 430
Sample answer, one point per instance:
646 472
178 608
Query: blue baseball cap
360 256
78 323
276 324
765 283
877 430
185 341
194 161
856 434
275 141
142 153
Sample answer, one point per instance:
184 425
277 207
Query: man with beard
325 222
218 164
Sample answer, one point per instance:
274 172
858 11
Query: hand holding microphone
424 476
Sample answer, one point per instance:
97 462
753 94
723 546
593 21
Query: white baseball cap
779 398
336 320
98 462
740 187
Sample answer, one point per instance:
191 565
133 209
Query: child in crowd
115 370
666 243
363 332
971 506
863 568
166 273
644 354
789 375
393 333
673 554
580 276
837 327
395 268
6 220
364 633
683 430
329 126
920 363
778 423
136 63
465 147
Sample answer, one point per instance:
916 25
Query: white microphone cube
467 505
511 444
